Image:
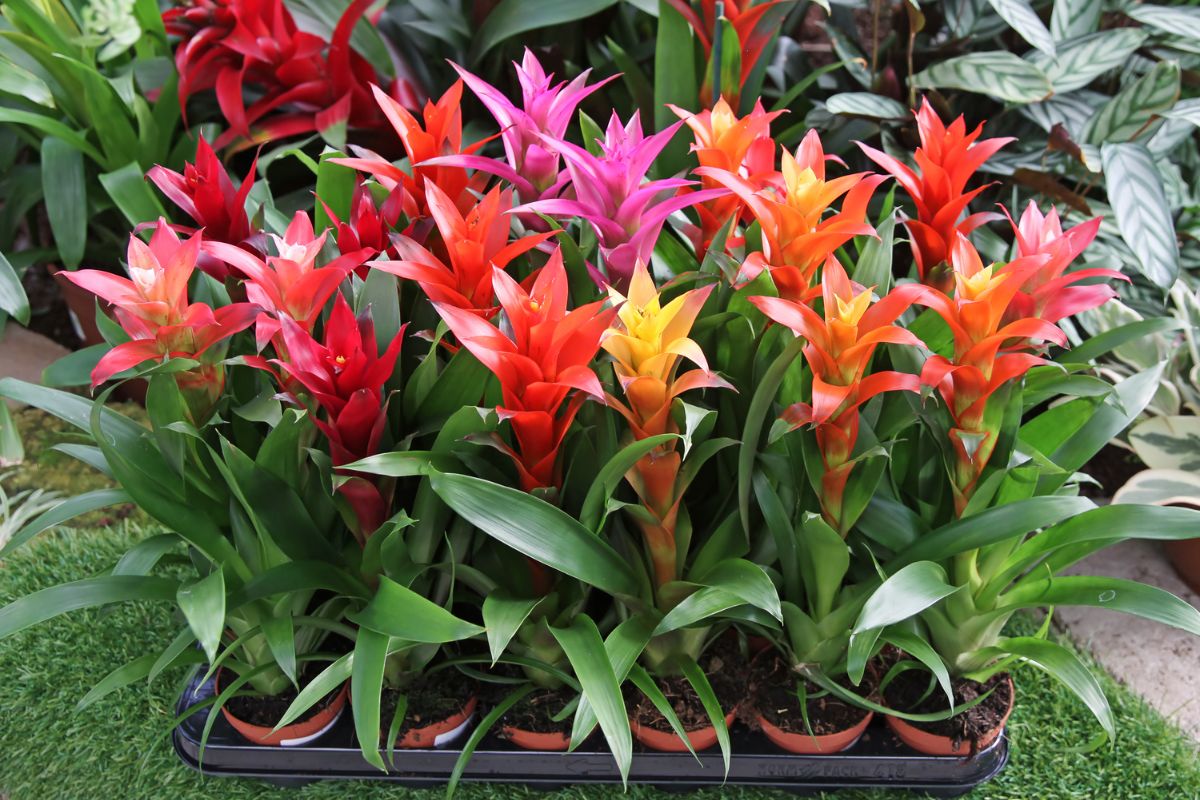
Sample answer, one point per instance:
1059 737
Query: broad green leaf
756 416
1021 17
1174 20
64 187
537 529
401 463
12 448
921 650
585 651
503 615
825 560
1128 115
1115 594
1072 18
1188 110
905 594
1066 667
745 580
87 593
1162 487
118 679
996 73
329 679
366 684
13 300
674 81
398 611
512 17
1168 443
866 104
1140 206
131 193
203 605
712 706
51 127
69 508
702 605
145 555
623 646
1080 61
335 188
874 266
75 368
280 634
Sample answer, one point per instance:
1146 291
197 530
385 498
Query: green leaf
145 555
280 634
512 17
537 529
1176 21
756 415
1071 18
64 187
118 679
51 127
67 509
866 104
1115 594
642 680
1066 667
330 678
75 368
905 594
674 81
585 650
203 605
623 645
1128 114
996 73
480 731
1021 17
335 188
87 593
401 463
708 698
605 483
1080 61
12 448
503 616
131 193
400 612
13 300
1160 487
1140 206
366 684
920 649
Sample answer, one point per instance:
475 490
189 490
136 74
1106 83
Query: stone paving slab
1158 662
24 354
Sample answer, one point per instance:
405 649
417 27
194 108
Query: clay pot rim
814 744
556 741
315 725
670 742
437 728
938 745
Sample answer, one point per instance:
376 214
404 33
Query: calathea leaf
1140 205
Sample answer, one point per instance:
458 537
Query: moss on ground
48 469
120 747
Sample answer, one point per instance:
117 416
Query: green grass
120 747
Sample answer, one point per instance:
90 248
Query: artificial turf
119 748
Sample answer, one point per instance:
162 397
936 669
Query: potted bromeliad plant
537 443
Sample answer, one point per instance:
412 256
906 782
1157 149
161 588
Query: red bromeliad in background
742 147
839 346
152 307
344 376
439 135
205 193
468 247
367 226
301 82
797 236
290 284
946 160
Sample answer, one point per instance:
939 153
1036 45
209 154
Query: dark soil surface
773 688
48 310
266 711
726 669
1112 467
431 699
905 691
535 712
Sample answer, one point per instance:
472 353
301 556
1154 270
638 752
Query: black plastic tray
879 759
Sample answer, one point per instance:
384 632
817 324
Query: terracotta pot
439 734
669 742
296 734
804 744
534 740
933 745
1185 558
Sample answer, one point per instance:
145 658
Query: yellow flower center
972 287
852 310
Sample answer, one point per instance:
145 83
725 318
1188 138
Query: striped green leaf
1080 61
1071 18
1131 111
1140 206
1160 487
1188 110
1173 20
866 104
1021 17
1071 110
996 73
1168 442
